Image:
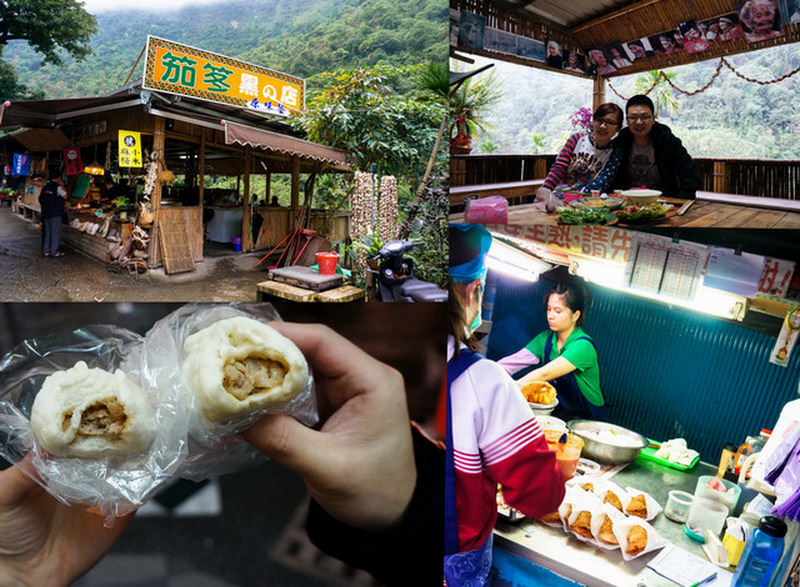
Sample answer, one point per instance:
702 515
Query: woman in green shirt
566 356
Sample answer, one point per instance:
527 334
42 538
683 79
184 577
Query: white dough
239 365
91 413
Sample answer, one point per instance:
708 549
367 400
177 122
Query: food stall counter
586 564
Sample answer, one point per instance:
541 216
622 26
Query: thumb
288 442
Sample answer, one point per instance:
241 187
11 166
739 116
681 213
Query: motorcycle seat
422 291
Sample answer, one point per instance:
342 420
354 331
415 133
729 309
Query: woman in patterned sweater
587 161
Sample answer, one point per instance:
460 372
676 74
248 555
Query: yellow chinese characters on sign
180 69
130 149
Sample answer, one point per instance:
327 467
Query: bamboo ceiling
586 24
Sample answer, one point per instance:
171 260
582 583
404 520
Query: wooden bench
510 190
344 293
755 201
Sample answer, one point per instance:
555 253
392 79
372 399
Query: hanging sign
180 69
72 161
21 165
130 149
786 339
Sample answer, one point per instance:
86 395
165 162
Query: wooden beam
247 241
598 92
159 140
295 184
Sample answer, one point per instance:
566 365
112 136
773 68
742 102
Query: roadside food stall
162 139
695 336
602 41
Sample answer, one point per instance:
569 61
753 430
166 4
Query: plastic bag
213 449
185 444
114 486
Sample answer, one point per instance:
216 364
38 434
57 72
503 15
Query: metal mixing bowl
602 450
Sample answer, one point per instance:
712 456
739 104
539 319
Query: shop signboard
130 149
180 69
21 165
72 161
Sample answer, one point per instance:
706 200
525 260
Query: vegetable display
570 215
642 212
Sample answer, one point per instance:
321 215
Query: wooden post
720 177
247 241
201 185
267 187
295 184
159 140
599 92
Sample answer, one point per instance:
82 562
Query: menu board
661 265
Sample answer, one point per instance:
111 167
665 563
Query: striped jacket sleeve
516 456
559 169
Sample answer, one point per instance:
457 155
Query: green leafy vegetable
569 215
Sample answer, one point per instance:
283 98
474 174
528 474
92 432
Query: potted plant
369 245
121 204
469 104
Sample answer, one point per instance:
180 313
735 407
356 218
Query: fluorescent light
706 299
599 271
514 262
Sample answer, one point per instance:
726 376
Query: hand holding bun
539 392
239 365
91 413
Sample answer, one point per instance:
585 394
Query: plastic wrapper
214 448
612 494
787 487
113 485
488 210
585 506
653 507
623 529
605 538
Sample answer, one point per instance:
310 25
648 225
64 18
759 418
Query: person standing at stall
51 200
492 436
566 355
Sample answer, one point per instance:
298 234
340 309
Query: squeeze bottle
761 554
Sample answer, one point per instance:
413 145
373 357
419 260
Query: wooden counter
701 214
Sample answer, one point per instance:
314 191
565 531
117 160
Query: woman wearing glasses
587 161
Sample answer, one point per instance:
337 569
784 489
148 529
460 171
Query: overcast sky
97 6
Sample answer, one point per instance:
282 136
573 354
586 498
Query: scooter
396 281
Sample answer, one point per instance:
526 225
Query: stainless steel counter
586 564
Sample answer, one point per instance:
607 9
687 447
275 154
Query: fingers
14 486
290 443
330 354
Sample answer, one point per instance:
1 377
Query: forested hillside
298 37
733 118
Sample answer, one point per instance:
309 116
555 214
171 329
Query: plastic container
761 554
705 514
237 243
751 445
678 505
567 454
327 262
728 498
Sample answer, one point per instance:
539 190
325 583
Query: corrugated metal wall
665 372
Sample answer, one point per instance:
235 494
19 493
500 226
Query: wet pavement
27 276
